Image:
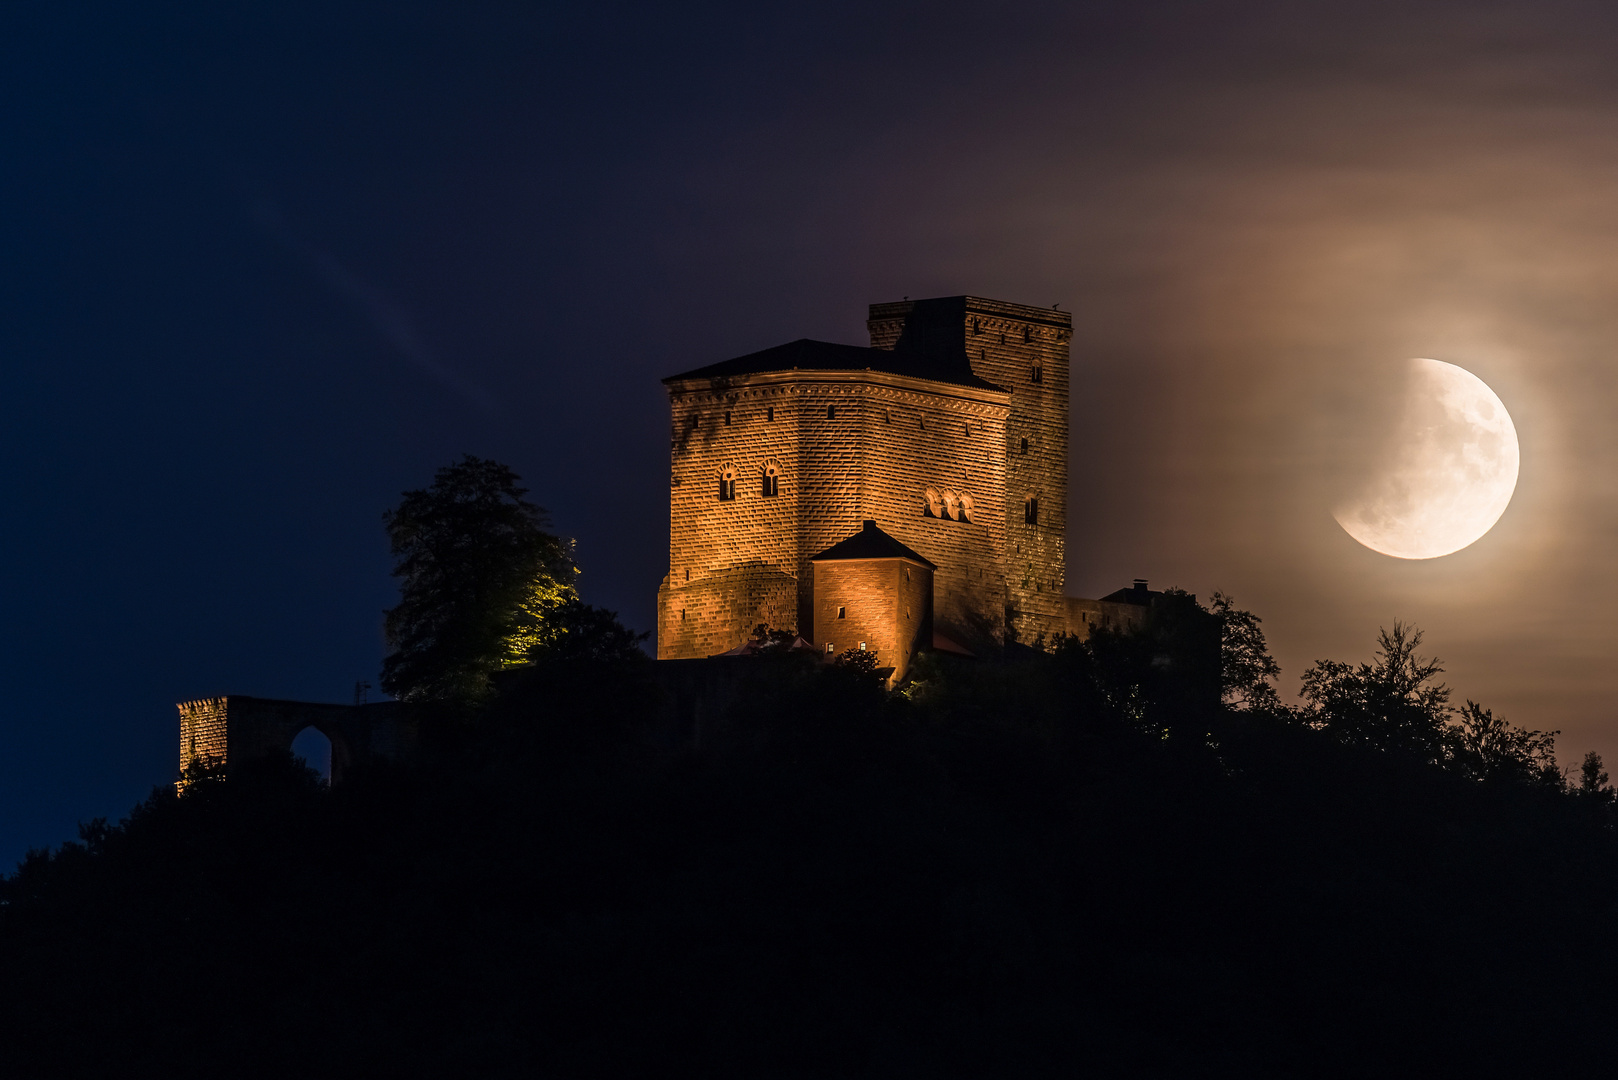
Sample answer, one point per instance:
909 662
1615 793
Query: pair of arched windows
769 475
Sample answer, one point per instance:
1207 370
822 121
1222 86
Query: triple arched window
946 505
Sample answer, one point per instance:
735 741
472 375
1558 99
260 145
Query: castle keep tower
1025 351
949 433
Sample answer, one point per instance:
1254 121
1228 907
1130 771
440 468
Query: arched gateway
236 728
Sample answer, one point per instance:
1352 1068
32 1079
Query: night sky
265 269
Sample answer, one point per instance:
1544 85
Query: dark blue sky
262 269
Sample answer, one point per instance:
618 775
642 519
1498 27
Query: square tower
1023 350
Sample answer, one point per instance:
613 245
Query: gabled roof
809 355
870 543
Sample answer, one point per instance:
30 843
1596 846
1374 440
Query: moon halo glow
1450 472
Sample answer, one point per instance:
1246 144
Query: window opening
831 412
1030 510
862 646
769 414
727 485
311 747
842 613
772 482
1037 375
727 417
1024 449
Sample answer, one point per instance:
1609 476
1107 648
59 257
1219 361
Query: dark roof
1137 594
870 543
807 355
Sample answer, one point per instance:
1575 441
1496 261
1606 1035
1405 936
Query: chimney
1140 584
870 525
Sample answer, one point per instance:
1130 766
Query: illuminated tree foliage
481 583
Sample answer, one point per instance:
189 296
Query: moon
1450 472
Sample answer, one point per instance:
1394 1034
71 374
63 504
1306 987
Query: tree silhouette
1247 671
481 581
1389 704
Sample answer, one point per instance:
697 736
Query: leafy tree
1486 746
580 631
1389 704
1247 671
1593 778
481 583
1165 673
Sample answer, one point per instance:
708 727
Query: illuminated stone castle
948 435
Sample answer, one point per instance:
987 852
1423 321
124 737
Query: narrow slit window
1024 448
727 486
772 483
769 413
727 417
1030 510
1037 375
842 613
831 412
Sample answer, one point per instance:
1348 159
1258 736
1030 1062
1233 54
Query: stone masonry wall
202 730
1005 344
845 446
885 604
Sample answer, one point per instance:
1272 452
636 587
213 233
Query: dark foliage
474 562
1077 863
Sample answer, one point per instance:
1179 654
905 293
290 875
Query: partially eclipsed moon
1452 469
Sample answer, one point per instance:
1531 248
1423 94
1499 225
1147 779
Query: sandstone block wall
884 603
1084 616
843 447
1007 344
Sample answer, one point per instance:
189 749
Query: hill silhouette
1113 857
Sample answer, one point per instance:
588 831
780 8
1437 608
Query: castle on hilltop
818 487
904 496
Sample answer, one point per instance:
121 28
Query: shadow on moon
1446 473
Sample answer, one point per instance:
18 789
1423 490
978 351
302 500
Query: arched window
727 483
772 479
952 506
932 503
966 507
